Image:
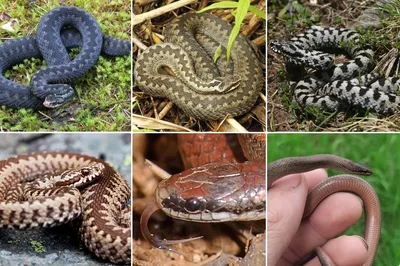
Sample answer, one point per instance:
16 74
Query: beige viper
52 198
203 89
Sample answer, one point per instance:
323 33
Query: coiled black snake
336 86
52 41
203 89
41 189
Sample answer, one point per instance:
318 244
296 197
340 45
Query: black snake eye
192 205
85 171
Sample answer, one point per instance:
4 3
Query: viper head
81 176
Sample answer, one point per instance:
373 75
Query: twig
155 124
259 40
138 43
165 110
262 96
137 19
143 2
157 170
230 120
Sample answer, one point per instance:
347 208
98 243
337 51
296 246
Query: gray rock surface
60 245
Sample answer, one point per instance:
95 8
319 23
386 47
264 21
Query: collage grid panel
166 195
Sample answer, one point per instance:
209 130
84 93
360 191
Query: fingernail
292 182
361 201
365 242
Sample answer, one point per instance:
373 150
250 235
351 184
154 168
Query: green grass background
103 94
380 152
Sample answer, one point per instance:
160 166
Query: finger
344 250
286 200
315 177
332 216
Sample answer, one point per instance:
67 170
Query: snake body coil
41 190
203 89
339 183
51 43
336 86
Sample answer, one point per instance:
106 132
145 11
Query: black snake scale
336 86
52 43
201 88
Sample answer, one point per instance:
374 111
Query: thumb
286 201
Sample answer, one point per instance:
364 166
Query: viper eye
192 205
85 171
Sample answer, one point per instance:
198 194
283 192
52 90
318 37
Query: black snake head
296 54
275 46
56 100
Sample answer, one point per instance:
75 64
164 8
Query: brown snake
50 188
215 192
203 89
339 183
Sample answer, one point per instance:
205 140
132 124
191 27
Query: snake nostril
193 205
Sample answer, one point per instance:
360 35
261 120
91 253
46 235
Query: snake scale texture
201 88
224 181
220 189
336 86
51 188
60 29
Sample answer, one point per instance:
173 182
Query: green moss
38 247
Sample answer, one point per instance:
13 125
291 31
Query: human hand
290 239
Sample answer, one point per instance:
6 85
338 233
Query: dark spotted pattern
337 86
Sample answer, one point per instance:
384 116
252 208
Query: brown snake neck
212 192
339 183
100 204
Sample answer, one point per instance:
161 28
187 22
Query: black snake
203 89
61 28
336 86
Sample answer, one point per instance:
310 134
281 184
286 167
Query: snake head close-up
214 193
218 180
81 176
54 100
